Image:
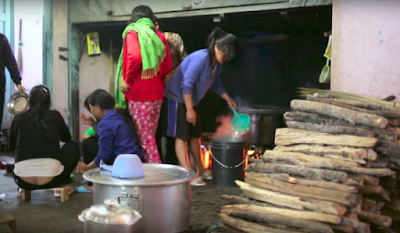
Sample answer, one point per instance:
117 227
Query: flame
206 160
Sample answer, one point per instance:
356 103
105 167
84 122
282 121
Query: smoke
224 129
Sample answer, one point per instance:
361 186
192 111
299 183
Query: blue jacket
195 76
115 138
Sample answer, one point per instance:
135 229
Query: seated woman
115 131
35 137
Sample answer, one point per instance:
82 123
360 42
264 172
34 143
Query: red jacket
143 89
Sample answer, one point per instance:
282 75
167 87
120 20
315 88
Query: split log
287 136
357 208
347 221
250 227
282 220
369 205
293 202
227 229
394 160
336 152
347 199
370 180
255 161
330 129
375 191
388 134
299 214
379 220
371 154
322 184
370 105
310 173
349 115
313 161
354 183
380 164
344 229
394 122
339 103
308 160
244 200
363 228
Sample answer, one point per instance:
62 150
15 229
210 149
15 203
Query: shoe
198 182
207 175
57 193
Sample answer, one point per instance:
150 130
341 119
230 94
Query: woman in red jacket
144 62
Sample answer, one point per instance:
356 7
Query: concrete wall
366 45
60 67
31 13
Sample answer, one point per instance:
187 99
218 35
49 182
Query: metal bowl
17 103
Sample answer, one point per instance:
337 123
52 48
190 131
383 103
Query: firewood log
298 214
330 129
255 161
369 105
370 180
250 227
375 191
347 199
394 122
339 103
379 220
369 205
282 220
287 137
244 200
310 173
290 201
336 152
363 228
344 229
313 161
348 221
308 160
227 229
323 184
339 112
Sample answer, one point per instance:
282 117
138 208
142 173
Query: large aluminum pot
109 217
162 197
264 121
17 103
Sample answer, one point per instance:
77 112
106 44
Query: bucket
228 161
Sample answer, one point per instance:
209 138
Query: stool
10 221
26 194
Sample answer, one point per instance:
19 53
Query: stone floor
45 214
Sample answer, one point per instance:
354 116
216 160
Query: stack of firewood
333 170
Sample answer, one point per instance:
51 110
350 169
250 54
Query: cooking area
200 116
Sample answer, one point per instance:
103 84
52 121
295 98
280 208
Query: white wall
31 13
365 47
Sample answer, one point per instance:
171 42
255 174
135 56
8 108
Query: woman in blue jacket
198 73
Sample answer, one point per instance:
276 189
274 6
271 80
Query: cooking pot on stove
109 217
265 119
162 196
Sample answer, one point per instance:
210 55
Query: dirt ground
45 214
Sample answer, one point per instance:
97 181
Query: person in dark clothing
115 129
7 60
35 137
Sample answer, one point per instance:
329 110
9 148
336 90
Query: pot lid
263 109
154 175
111 213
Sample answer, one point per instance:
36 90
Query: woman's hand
231 103
124 87
82 168
21 88
86 119
191 116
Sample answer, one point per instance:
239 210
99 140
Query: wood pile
332 170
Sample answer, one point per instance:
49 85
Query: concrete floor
45 214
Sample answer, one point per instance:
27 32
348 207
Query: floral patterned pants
146 116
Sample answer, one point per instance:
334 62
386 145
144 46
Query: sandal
82 189
198 182
207 175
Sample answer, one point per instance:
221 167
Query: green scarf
152 51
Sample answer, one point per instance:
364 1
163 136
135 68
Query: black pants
1 113
71 154
90 148
170 157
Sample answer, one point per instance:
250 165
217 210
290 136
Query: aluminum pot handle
134 196
81 218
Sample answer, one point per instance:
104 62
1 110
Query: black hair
39 108
105 101
142 12
226 42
